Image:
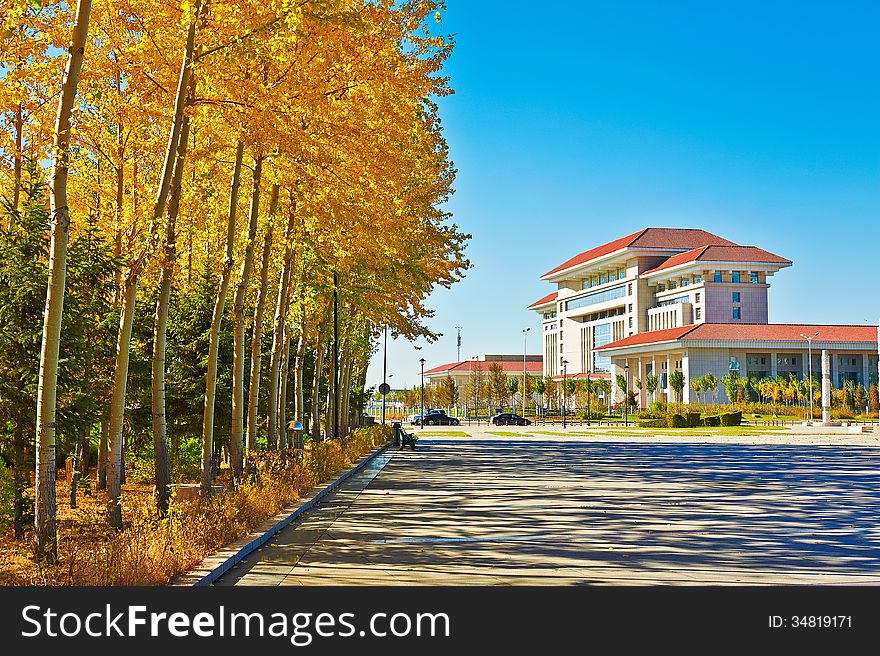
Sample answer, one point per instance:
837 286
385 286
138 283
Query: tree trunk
316 381
281 303
117 403
19 130
256 338
298 363
81 454
130 283
44 517
216 322
101 465
19 479
236 438
282 402
161 461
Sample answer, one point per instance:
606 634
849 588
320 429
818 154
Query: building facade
665 299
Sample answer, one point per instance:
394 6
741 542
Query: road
607 509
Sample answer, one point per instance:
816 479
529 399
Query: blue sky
581 122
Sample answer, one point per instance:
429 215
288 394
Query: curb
219 563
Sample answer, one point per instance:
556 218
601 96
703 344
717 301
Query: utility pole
384 374
525 341
458 328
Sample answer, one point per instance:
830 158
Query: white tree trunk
281 304
44 515
236 438
216 322
256 338
162 464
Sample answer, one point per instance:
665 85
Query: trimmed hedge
712 420
693 419
652 423
676 421
731 418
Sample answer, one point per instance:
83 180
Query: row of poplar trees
285 156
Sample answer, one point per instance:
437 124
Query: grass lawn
703 431
508 434
428 433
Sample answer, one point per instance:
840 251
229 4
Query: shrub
693 419
731 418
712 420
652 423
676 421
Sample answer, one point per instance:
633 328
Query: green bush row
693 420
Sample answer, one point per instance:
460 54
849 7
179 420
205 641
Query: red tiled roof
721 254
544 301
752 332
782 332
662 238
481 365
652 337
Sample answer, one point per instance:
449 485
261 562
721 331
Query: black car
440 418
510 419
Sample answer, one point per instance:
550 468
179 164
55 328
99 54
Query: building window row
603 278
596 297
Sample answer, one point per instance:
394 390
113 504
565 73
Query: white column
826 388
773 373
669 398
686 392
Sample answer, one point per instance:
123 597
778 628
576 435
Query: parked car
414 419
439 418
510 419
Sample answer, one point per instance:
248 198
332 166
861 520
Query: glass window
596 297
734 363
601 336
736 297
603 279
612 276
736 313
697 297
717 277
630 289
621 274
697 278
685 282
734 277
753 277
672 284
699 313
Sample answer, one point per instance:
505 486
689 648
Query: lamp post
810 339
626 394
422 420
384 374
564 379
589 385
525 338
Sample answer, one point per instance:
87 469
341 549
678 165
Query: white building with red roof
663 299
462 372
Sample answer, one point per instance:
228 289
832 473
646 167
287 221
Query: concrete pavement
592 509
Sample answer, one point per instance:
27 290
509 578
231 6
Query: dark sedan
510 419
440 419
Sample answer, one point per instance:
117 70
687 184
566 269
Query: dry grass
151 551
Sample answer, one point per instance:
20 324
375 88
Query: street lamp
564 372
626 394
385 388
422 420
525 337
810 339
588 398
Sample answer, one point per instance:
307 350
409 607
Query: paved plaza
522 507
